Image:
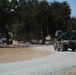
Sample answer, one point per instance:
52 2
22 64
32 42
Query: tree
22 26
44 19
72 23
4 17
40 19
36 19
33 19
60 15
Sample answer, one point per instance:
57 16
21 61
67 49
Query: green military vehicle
65 39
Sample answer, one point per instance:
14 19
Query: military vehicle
65 39
3 39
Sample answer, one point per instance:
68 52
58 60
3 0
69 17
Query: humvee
65 39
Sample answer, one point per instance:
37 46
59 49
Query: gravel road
47 65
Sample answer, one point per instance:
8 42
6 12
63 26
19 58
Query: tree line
33 19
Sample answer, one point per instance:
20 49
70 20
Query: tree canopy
33 19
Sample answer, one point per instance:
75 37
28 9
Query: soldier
63 36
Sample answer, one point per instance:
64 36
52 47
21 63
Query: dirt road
51 63
21 53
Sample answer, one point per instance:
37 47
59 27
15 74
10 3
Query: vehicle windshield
67 36
64 36
72 37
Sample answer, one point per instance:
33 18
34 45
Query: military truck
65 39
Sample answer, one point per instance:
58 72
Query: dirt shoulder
72 71
20 54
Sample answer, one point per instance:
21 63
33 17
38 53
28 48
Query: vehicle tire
73 49
62 48
55 46
66 49
58 49
11 42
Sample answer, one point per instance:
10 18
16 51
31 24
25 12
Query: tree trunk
7 38
44 39
6 34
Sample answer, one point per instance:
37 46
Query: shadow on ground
17 46
21 46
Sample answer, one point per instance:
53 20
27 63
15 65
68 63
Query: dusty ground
19 54
72 71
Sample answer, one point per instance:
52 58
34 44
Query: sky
72 4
